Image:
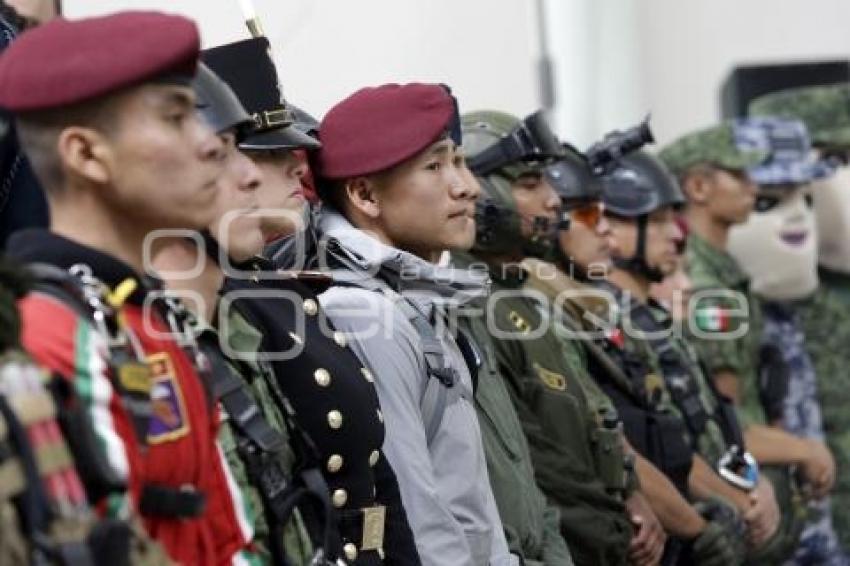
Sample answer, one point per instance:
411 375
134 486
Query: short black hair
39 131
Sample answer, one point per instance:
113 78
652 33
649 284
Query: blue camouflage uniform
789 168
801 416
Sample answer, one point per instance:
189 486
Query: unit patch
169 419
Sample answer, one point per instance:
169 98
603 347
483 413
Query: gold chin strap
268 119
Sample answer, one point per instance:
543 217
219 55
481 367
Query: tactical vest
681 379
636 392
681 376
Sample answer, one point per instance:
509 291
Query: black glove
722 542
713 548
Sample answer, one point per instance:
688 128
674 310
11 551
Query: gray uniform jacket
444 484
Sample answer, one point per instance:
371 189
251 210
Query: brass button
380 416
334 463
310 307
334 419
322 377
340 497
367 375
340 339
373 457
350 551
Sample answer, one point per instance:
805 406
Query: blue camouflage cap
787 141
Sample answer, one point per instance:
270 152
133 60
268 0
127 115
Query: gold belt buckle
373 527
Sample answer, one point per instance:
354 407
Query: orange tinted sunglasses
589 214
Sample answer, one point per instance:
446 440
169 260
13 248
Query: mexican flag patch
712 319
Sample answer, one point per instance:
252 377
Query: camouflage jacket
257 376
724 322
825 319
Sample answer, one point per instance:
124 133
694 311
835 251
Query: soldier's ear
697 186
85 154
361 193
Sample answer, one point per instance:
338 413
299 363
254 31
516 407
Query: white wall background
689 46
614 60
327 49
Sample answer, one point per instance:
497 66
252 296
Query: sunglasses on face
589 213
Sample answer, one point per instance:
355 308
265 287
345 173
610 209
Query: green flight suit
540 371
532 525
242 337
826 324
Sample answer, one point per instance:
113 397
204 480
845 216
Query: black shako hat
249 70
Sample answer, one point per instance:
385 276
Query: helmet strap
638 263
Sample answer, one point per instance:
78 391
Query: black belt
171 502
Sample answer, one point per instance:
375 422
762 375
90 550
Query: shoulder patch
551 379
169 420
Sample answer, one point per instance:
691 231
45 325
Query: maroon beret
379 127
68 61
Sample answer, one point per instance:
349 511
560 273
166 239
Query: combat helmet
500 148
572 177
639 185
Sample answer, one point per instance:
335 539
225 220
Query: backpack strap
259 446
434 395
680 379
85 296
33 502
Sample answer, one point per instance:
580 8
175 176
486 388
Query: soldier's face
427 204
662 236
731 196
587 244
535 198
281 194
162 161
237 226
